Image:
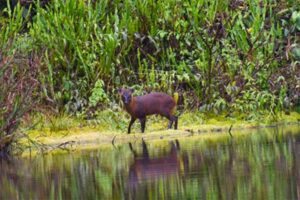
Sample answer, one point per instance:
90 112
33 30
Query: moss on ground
111 128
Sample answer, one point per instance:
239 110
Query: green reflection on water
262 165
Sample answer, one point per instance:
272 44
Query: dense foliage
240 55
18 77
234 56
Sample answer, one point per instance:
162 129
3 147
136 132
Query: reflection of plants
249 160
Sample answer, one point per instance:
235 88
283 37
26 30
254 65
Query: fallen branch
64 144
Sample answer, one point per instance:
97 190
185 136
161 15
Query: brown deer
153 103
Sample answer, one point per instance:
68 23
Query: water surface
264 164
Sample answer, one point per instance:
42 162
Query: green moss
87 140
117 122
108 124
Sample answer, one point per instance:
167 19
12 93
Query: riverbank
190 125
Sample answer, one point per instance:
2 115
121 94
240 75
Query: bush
228 55
18 76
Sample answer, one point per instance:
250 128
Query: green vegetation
63 57
110 128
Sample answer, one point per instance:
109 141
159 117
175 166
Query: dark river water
264 164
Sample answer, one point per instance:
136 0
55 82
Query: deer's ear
131 90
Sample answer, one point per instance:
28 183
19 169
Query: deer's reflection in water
147 169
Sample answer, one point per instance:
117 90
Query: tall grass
18 70
228 54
